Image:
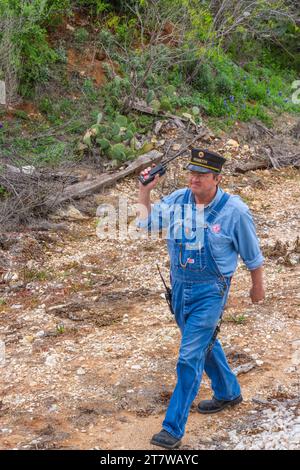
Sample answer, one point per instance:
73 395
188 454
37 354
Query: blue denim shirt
232 233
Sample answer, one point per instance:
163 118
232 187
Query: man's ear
218 179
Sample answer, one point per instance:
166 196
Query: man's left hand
257 293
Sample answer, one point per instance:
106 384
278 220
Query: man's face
202 183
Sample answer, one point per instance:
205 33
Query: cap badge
216 228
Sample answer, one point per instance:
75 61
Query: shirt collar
214 201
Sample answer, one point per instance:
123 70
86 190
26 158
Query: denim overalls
199 294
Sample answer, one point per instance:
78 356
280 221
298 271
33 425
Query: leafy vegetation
175 55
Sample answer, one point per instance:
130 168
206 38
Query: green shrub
81 36
128 134
91 93
115 129
31 56
96 7
3 192
224 85
204 81
118 152
122 121
165 104
256 91
103 143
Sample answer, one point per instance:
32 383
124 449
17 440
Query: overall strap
216 211
185 201
186 196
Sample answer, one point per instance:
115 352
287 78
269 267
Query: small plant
89 90
104 144
60 328
115 140
81 36
165 104
30 275
3 192
118 152
238 319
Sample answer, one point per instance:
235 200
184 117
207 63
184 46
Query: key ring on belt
183 265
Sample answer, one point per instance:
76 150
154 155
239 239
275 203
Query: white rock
28 169
51 361
6 430
81 371
260 445
239 446
69 27
71 213
232 143
53 408
40 334
10 276
259 362
30 264
176 147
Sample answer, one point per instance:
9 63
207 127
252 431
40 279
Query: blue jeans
197 307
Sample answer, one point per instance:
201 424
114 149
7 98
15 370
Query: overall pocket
191 258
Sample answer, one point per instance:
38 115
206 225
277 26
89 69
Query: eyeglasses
196 175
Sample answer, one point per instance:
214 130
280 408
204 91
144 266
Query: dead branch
85 188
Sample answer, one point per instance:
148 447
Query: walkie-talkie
161 168
158 169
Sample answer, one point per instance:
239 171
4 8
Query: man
207 230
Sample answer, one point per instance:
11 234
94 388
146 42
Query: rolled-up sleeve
160 215
246 242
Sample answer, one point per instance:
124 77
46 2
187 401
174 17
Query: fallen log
272 158
264 129
148 110
251 166
278 160
45 225
32 172
85 188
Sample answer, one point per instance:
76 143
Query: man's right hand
149 186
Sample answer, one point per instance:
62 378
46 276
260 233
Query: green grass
30 275
222 89
238 319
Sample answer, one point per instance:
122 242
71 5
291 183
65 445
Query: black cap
205 161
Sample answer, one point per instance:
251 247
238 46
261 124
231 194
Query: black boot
214 405
165 439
